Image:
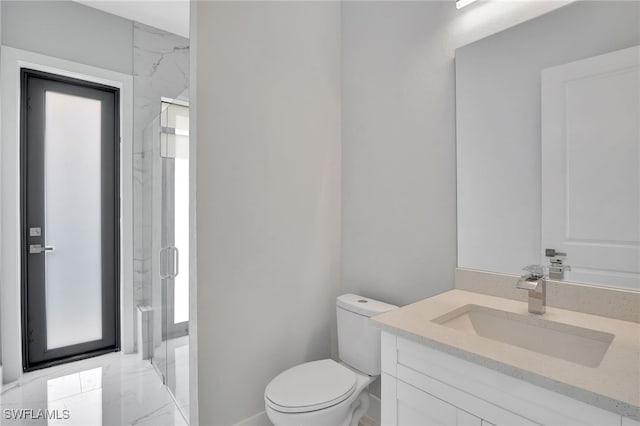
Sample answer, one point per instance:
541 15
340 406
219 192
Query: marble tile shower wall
160 69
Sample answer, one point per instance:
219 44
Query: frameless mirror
548 145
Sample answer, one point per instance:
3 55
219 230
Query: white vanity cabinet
424 386
629 422
416 407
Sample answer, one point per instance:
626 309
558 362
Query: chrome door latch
37 249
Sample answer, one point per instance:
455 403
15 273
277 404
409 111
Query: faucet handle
553 253
557 267
535 271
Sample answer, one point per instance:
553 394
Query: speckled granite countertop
614 385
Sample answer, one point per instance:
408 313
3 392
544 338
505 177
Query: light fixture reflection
462 3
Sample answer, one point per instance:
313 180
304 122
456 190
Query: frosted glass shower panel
181 283
175 145
175 131
73 219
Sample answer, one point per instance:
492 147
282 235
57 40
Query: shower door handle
176 261
164 262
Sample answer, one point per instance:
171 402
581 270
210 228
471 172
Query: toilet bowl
327 392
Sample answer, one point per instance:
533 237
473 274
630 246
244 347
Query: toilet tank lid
362 305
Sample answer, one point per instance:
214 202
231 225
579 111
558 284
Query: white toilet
326 392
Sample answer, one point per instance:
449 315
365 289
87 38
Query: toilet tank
359 341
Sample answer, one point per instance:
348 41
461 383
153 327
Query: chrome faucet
534 283
557 268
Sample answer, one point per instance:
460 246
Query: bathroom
391 150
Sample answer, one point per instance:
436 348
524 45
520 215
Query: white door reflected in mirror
591 166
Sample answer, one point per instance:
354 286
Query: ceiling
168 15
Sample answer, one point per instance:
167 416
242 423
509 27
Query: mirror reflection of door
591 166
174 253
70 219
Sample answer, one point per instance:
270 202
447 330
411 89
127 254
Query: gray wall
268 214
498 100
54 27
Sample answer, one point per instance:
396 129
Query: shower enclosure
161 205
168 135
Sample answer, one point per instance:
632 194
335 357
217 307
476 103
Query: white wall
53 28
398 187
268 195
194 405
498 101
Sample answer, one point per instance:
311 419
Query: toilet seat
310 386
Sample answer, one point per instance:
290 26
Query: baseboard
259 419
9 385
372 418
367 421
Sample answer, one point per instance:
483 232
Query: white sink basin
576 344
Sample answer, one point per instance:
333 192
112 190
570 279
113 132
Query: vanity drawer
415 407
477 389
406 405
469 403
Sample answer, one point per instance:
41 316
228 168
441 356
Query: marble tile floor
109 390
